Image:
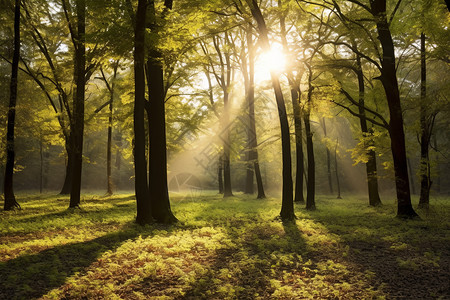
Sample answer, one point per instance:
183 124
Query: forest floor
232 248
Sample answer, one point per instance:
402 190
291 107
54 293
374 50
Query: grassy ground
223 249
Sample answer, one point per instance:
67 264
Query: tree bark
109 186
252 141
158 188
78 105
220 174
390 84
371 165
10 199
338 184
294 84
425 134
330 182
144 209
311 182
287 201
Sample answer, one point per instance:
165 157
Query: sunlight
273 60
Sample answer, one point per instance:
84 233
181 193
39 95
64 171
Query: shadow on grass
32 276
118 208
393 251
245 270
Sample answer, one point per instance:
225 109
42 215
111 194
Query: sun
273 60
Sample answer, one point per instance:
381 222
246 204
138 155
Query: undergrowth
234 248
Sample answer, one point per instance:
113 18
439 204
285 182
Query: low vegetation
222 249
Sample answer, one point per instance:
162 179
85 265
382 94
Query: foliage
233 249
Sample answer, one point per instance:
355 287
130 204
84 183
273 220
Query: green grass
232 248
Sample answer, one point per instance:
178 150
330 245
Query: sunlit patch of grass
232 248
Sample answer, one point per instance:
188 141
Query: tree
287 206
10 199
111 89
396 131
248 71
158 189
77 128
144 208
294 85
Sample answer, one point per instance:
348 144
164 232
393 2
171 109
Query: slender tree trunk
287 201
311 182
158 188
371 165
425 134
144 209
438 173
220 174
67 185
109 187
252 141
294 85
10 199
411 176
337 171
389 80
330 182
227 190
41 164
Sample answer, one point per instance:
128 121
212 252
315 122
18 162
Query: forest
232 149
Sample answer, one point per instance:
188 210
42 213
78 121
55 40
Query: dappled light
186 149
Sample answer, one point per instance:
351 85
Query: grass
222 249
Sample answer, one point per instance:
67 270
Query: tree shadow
394 261
32 276
250 262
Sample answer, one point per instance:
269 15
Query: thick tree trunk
78 105
371 165
10 199
425 134
396 131
311 182
287 201
144 209
158 188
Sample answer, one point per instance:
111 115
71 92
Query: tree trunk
10 199
220 174
252 141
287 201
144 209
371 165
294 84
425 134
78 105
158 188
67 185
41 163
411 176
311 182
330 182
227 191
389 80
337 171
109 187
